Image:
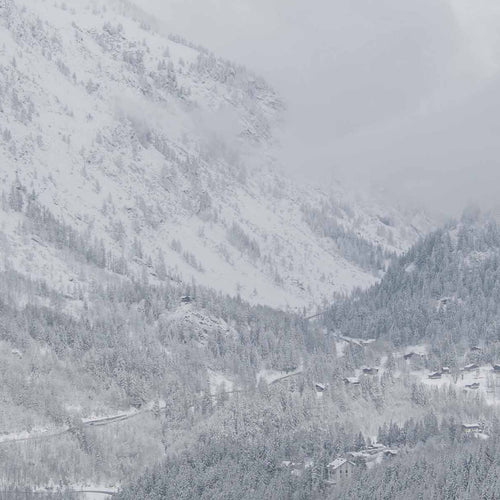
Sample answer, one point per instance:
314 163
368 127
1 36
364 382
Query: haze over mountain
386 94
183 316
165 155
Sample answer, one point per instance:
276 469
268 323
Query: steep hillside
155 267
424 378
160 157
445 292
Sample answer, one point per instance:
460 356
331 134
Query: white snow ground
127 135
489 382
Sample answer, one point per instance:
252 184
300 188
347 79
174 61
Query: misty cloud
400 94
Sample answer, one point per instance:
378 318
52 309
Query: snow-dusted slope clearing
160 158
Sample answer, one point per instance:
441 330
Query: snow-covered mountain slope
157 159
443 292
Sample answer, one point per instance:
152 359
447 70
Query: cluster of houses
297 468
418 354
366 370
372 454
353 381
467 368
342 468
475 366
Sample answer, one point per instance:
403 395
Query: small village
342 469
470 377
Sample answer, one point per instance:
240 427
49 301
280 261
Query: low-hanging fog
400 94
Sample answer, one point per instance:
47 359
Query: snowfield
488 380
163 155
144 211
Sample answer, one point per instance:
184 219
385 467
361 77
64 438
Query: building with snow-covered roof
474 385
340 470
351 380
412 354
472 428
390 453
470 367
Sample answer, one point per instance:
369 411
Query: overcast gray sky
403 93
